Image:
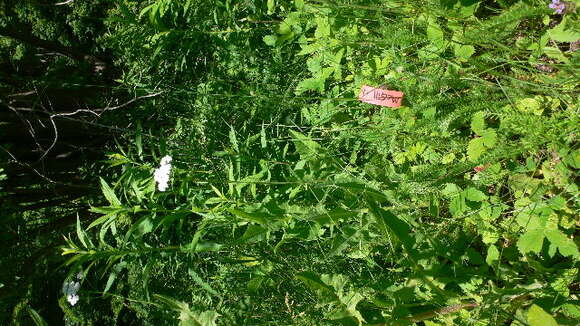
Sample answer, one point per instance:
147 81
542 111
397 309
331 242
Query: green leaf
531 241
566 31
186 316
109 194
448 158
310 84
387 221
110 281
566 246
332 217
457 206
478 122
492 255
341 241
489 138
206 318
299 4
475 148
139 139
451 190
203 284
434 31
539 317
255 217
463 52
530 105
263 142
271 6
103 219
270 40
571 310
253 233
81 234
555 53
234 139
473 194
143 226
36 318
315 283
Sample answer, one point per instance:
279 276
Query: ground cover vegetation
199 162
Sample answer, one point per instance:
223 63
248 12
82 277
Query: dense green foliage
290 202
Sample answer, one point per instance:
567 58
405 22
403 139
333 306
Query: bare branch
22 94
63 3
27 166
110 108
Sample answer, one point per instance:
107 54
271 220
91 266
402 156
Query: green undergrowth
291 202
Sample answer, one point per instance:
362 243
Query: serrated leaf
463 52
473 194
531 241
204 285
186 316
234 139
489 138
555 53
207 318
566 246
478 122
270 40
387 221
109 194
529 105
299 4
451 190
341 241
310 84
143 226
434 31
475 148
539 317
448 158
492 255
315 283
271 6
571 310
564 32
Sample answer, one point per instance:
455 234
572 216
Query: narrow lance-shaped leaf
387 221
109 194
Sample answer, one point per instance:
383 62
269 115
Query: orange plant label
379 96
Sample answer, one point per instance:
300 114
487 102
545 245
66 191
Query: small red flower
480 168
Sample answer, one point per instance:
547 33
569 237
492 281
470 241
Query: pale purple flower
72 299
558 6
71 289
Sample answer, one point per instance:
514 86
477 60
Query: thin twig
63 3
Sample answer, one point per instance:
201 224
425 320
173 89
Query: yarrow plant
558 6
161 174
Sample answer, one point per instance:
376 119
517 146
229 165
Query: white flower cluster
161 174
71 289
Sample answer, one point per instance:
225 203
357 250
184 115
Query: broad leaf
531 241
475 148
539 317
566 246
